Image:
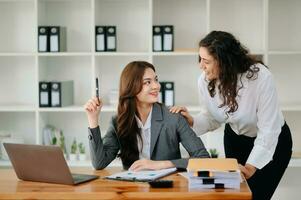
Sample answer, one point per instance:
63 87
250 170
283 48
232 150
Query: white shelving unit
267 27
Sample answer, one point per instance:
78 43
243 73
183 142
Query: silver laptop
43 164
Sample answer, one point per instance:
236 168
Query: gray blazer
167 132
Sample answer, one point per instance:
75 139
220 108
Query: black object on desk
161 184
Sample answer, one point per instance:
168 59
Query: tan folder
212 164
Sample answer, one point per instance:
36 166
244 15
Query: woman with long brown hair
239 91
144 132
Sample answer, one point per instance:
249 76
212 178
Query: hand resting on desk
150 165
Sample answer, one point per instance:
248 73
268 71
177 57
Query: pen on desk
97 90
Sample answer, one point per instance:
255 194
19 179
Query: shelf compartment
17 19
75 15
20 125
76 68
186 35
178 69
286 70
17 81
132 21
242 18
284 28
72 124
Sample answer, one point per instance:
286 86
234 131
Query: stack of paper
213 173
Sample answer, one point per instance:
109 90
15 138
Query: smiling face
150 89
208 64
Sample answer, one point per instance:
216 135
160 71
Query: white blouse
144 145
258 114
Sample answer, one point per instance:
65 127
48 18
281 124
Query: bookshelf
267 27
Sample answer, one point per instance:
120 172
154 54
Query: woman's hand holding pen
183 111
93 108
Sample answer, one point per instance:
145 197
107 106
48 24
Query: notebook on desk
42 164
141 176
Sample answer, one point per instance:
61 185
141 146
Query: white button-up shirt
144 153
258 114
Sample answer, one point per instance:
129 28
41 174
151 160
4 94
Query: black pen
97 90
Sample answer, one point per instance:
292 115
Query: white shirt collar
147 122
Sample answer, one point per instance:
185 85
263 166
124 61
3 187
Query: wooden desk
12 188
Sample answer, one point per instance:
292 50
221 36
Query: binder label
43 43
100 42
44 98
55 98
111 42
169 98
167 42
54 41
157 43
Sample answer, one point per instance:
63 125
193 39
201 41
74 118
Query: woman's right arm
102 151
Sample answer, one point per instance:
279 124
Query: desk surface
12 188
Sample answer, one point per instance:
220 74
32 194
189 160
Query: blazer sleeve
103 150
191 142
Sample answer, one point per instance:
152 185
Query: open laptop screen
41 163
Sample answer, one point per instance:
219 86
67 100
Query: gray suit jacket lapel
156 126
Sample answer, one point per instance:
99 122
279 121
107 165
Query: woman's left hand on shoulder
145 164
247 170
183 111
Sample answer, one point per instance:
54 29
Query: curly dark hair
233 60
131 83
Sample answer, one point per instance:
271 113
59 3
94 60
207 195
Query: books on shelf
213 173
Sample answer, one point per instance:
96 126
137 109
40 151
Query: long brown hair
233 60
131 83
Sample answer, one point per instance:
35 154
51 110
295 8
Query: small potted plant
82 152
213 153
73 152
53 141
62 144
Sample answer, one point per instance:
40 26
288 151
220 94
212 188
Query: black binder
43 39
157 38
168 38
61 93
161 93
111 38
169 94
100 38
44 94
57 39
56 94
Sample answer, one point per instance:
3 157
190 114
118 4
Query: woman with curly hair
239 91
